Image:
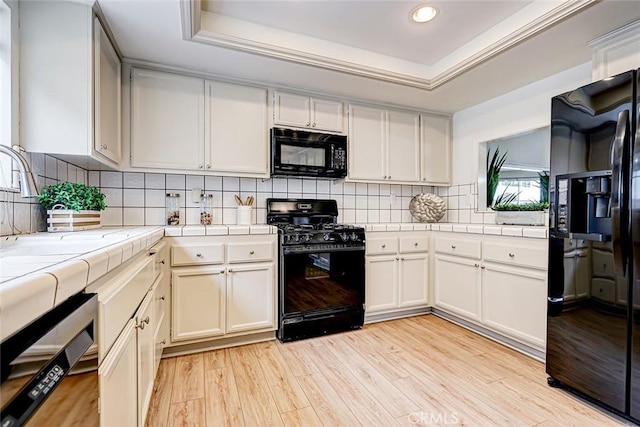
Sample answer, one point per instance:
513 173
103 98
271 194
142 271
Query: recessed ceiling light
423 13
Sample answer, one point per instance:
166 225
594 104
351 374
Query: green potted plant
72 207
493 174
521 214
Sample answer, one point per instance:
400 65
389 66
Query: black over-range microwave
313 154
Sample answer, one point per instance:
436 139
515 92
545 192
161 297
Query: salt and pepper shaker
172 203
206 209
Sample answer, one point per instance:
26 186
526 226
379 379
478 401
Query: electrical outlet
196 194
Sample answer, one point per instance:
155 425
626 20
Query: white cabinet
458 285
398 146
211 299
167 120
70 96
107 121
397 272
499 283
367 143
188 123
435 149
290 109
250 289
145 325
515 302
237 133
577 274
198 297
616 52
117 379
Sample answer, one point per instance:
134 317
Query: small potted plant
72 207
524 214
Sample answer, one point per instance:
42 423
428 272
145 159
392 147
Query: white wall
523 109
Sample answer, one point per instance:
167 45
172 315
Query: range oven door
36 387
321 292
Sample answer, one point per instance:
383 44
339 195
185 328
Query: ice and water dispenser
583 207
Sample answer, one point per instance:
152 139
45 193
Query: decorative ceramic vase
427 207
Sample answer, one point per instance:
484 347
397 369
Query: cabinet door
291 110
198 303
367 139
403 147
457 286
414 281
381 281
435 144
514 302
327 115
570 271
251 297
167 120
107 123
583 274
237 129
145 325
118 381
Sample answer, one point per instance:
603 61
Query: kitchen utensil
239 200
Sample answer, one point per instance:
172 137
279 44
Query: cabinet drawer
460 247
602 263
250 252
382 245
414 244
515 255
197 254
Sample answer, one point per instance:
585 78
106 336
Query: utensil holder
244 215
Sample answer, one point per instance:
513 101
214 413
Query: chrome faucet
27 183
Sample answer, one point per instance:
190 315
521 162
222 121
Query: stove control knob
296 238
306 237
344 237
354 236
326 236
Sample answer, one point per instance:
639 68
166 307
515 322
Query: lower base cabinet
458 286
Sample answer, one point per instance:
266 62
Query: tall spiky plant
493 173
544 186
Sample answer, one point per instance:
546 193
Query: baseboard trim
374 318
183 349
487 333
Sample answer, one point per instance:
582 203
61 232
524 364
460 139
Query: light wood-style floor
415 371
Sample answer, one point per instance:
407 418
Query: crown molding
191 19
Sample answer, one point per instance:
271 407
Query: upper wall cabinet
616 52
435 146
192 124
308 112
167 120
398 146
69 96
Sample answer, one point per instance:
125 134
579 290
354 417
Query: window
8 84
525 189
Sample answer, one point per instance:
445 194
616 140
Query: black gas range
321 269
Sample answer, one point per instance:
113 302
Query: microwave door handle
333 157
617 156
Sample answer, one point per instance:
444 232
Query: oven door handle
315 250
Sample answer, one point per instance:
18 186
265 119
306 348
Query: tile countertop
38 271
536 232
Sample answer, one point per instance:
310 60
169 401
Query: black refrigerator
593 321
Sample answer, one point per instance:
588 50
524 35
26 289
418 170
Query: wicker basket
68 220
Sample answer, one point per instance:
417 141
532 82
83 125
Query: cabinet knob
483 267
163 342
200 166
476 265
313 125
307 124
199 255
230 271
415 244
162 262
251 252
384 177
397 258
221 271
384 246
511 254
208 166
162 298
453 246
104 147
401 259
146 320
140 325
389 176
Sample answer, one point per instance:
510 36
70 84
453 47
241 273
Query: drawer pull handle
384 246
511 254
199 255
453 246
163 342
162 298
251 252
140 325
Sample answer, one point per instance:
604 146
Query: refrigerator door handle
617 210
